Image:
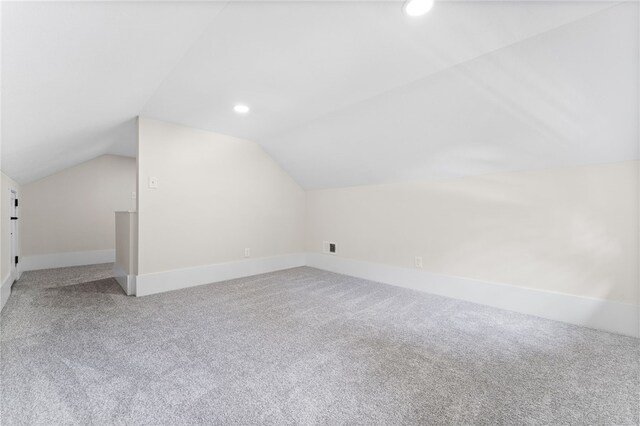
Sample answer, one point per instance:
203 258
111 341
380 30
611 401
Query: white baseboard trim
61 260
616 317
176 279
126 281
5 289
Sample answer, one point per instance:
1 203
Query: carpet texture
301 346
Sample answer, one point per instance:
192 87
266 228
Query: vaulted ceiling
341 93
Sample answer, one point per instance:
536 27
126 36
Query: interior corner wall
216 196
68 218
6 279
571 231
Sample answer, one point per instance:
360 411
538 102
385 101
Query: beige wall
73 210
126 234
216 196
7 184
571 231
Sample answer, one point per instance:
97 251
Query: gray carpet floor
301 346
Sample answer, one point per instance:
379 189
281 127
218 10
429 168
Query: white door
13 208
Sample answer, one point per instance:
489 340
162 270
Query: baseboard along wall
600 314
5 291
160 282
616 317
62 260
126 281
5 288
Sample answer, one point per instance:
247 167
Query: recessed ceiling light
241 109
417 7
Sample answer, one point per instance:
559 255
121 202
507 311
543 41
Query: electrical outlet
418 261
328 247
153 182
247 252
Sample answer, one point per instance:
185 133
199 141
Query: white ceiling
75 75
341 93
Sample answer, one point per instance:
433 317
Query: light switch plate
153 182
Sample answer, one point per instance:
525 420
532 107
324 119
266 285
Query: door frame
13 230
